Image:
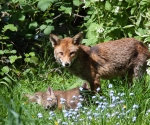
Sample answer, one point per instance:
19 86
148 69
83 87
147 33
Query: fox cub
104 60
57 98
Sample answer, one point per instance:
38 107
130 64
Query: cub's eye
72 53
61 53
49 99
37 97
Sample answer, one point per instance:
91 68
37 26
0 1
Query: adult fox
104 60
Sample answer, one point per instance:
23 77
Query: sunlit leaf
5 69
48 30
42 27
32 54
33 25
1 52
13 51
9 27
44 4
128 26
27 60
13 58
76 2
108 6
34 60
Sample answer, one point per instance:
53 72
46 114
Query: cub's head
66 50
47 99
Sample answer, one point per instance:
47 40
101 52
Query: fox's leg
95 84
129 77
130 80
140 66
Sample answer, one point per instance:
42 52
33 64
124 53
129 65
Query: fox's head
66 50
46 99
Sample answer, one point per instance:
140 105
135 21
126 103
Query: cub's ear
54 40
30 97
49 91
77 39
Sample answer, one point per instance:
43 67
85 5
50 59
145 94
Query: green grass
118 106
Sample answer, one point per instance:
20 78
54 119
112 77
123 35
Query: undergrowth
119 105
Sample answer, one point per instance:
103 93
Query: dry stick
79 16
57 16
74 14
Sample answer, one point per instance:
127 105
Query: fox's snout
65 63
47 106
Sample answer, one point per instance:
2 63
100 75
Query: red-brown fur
104 60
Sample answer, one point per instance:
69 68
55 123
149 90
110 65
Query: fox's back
118 57
118 53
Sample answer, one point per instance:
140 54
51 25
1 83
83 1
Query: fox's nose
67 64
47 107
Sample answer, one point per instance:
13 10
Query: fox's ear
85 86
30 97
77 39
54 40
49 91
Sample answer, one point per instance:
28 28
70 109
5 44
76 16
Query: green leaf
1 52
139 17
133 10
48 21
26 55
20 16
27 60
42 27
4 37
67 10
87 4
13 51
28 36
128 26
26 71
144 2
5 83
8 80
34 60
12 59
44 4
108 6
33 25
76 2
5 69
7 51
15 1
141 32
9 27
48 30
32 54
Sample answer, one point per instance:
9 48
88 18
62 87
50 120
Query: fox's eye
72 53
61 53
36 96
